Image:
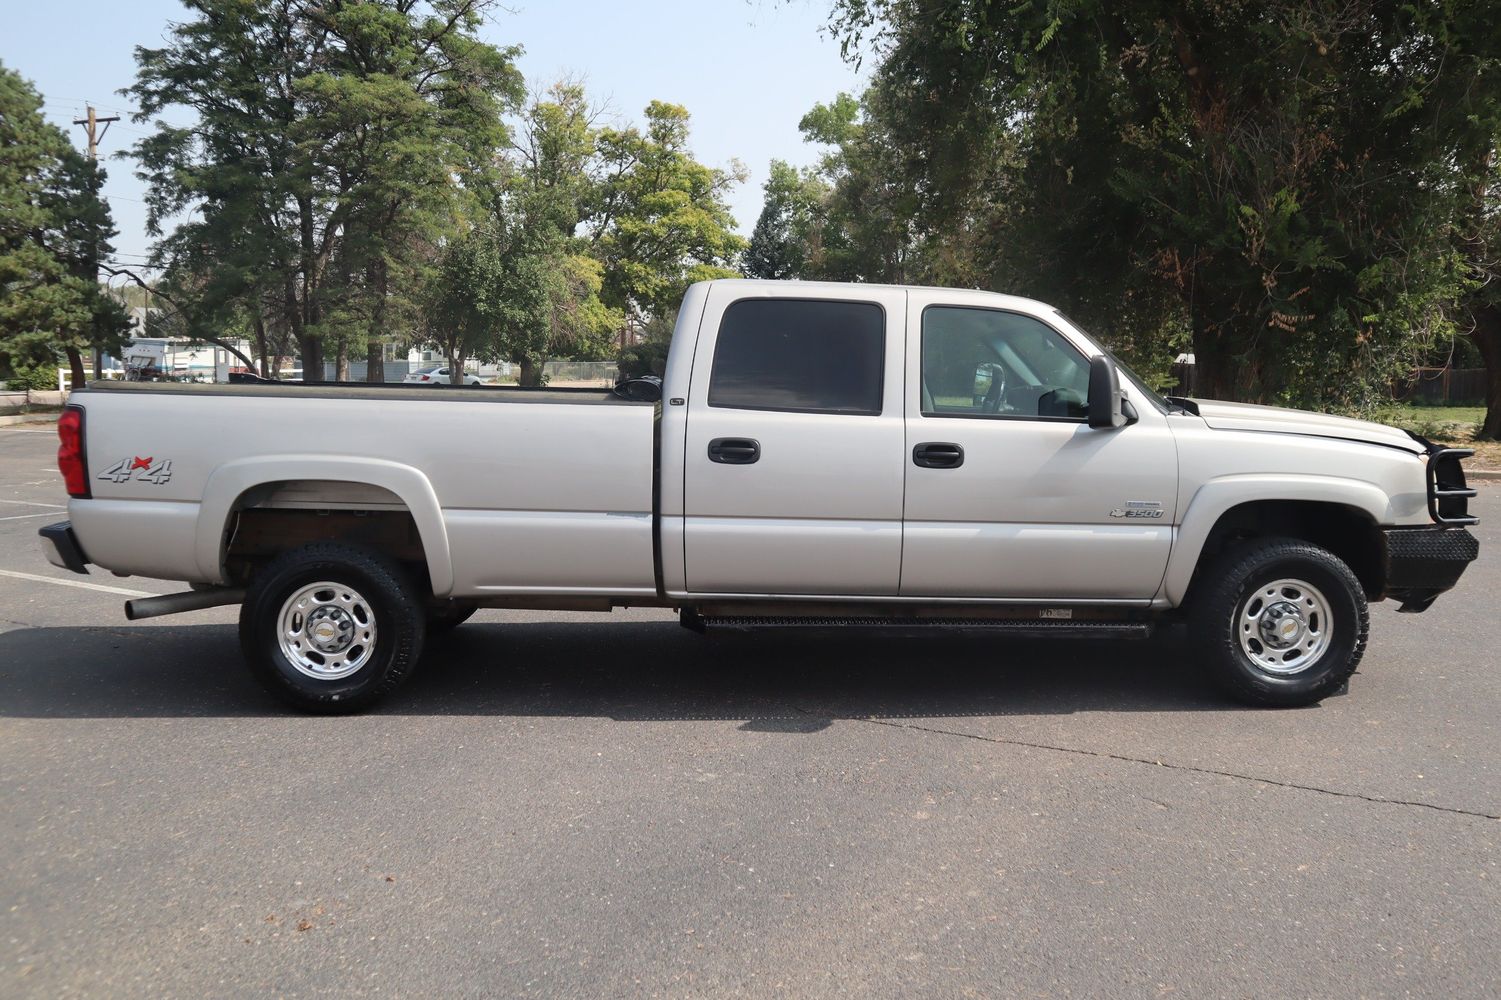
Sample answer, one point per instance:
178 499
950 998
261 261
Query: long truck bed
512 491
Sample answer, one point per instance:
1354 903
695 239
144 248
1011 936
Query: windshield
1157 399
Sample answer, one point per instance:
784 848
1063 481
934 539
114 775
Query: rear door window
802 355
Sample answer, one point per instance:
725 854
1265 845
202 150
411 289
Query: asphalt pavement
611 806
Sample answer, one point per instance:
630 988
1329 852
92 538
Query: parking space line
33 503
76 583
17 517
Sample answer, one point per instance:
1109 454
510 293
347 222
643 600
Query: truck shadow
627 671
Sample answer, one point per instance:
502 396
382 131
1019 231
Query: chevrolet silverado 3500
821 454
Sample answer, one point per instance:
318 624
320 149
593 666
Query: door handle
734 451
938 455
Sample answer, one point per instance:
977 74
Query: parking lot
593 806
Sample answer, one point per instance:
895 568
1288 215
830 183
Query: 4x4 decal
141 470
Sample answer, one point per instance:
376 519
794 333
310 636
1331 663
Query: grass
1454 425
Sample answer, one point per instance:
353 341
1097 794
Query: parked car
438 375
820 455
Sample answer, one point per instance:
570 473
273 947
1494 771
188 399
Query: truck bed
525 491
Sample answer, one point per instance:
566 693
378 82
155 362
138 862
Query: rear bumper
61 547
1425 561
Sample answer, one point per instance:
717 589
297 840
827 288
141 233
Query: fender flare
227 483
1218 496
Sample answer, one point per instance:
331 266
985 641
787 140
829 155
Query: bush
37 378
646 358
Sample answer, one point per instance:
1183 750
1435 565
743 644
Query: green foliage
659 219
352 176
788 240
40 377
53 230
648 356
1277 181
585 230
335 145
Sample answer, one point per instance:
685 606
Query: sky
747 70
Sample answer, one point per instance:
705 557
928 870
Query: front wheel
1280 622
331 628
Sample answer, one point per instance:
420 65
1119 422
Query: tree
1275 180
659 220
505 291
788 239
329 141
53 230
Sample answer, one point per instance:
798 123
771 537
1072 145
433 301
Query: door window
800 355
990 363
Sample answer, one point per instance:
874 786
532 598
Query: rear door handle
938 455
734 451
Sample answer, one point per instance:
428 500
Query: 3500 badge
141 470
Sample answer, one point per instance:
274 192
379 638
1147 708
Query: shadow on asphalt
625 671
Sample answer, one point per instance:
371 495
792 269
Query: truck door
1010 493
792 472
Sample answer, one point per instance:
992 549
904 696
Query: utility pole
91 125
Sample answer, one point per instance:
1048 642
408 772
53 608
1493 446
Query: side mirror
1105 409
984 378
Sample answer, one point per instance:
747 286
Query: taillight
70 457
425 378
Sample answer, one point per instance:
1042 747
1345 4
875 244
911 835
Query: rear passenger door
793 471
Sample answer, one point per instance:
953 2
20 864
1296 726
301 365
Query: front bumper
1423 562
61 547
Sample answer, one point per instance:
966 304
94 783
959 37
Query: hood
1250 417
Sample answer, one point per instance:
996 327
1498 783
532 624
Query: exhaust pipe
176 604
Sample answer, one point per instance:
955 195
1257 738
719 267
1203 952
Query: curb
1486 474
28 418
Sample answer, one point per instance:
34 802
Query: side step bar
1027 627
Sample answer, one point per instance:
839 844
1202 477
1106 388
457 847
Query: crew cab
820 454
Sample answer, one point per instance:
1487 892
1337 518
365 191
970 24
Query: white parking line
76 583
17 517
33 503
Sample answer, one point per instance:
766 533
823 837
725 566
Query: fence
395 371
1443 387
18 400
590 372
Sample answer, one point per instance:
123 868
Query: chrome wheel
327 630
1284 627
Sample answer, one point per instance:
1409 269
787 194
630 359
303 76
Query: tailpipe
176 604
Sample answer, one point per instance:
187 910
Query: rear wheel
331 628
1280 622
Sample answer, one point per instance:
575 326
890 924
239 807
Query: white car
438 375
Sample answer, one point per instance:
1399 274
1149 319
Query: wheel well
1348 532
268 519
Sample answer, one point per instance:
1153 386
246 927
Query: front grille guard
1447 491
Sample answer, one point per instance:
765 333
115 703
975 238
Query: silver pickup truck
821 454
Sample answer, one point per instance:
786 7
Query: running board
1027 627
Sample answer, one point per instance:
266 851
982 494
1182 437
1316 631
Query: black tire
1226 598
448 615
386 596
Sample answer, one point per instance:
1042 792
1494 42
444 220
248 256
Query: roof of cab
957 295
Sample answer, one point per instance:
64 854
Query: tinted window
796 354
984 362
